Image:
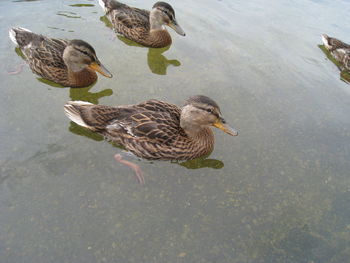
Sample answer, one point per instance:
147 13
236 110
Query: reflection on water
202 162
77 129
84 94
344 74
20 53
156 61
128 42
106 21
50 83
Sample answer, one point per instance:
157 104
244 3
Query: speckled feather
134 24
45 58
150 130
339 50
336 44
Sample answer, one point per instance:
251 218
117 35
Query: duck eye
168 14
210 110
84 52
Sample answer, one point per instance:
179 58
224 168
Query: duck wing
128 20
332 43
152 121
49 52
336 44
43 54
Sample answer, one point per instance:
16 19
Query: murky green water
279 192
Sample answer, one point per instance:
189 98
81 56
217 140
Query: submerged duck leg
137 170
18 69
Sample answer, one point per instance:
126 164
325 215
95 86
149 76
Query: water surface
279 192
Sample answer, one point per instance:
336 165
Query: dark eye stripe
87 54
168 13
83 51
210 111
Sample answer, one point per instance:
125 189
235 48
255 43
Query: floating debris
82 5
68 14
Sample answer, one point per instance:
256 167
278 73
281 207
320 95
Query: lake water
279 192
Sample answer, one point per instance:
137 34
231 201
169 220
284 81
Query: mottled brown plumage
142 26
339 50
155 129
70 63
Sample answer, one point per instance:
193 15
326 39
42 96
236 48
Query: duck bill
224 127
97 66
174 25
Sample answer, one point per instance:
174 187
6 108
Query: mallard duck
155 130
70 63
142 26
339 50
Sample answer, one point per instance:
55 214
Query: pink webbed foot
137 170
18 70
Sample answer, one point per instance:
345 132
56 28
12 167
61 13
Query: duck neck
203 141
83 78
158 35
156 21
198 133
77 74
205 134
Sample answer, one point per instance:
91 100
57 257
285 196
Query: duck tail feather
19 35
73 111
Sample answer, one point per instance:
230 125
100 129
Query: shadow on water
156 61
344 74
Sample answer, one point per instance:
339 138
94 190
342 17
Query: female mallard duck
339 50
142 26
155 130
70 63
